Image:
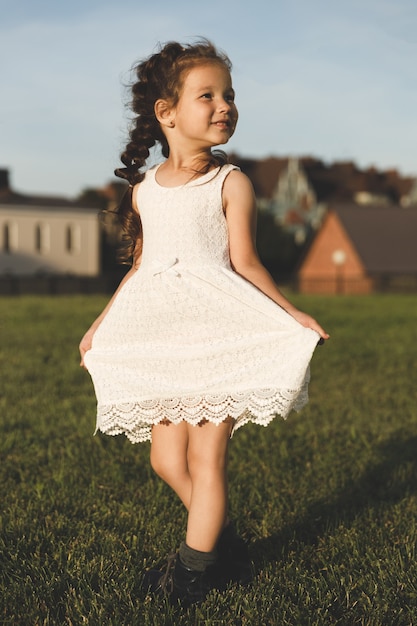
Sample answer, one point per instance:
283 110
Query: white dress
187 338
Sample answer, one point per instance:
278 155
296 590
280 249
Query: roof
385 237
18 201
337 181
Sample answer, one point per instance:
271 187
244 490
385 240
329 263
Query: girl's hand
85 344
309 322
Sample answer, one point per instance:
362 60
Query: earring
171 124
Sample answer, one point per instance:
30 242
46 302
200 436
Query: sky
327 78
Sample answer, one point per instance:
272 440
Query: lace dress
187 338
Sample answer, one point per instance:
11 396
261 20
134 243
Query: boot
159 581
192 586
180 583
234 561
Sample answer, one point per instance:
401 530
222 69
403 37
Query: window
6 238
9 237
38 239
42 238
72 238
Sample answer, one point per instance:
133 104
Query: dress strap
218 174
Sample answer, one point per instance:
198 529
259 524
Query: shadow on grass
381 484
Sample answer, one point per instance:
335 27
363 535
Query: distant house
410 198
45 235
333 182
360 249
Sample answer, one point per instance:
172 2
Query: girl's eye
230 98
206 95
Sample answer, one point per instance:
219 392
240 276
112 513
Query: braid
158 77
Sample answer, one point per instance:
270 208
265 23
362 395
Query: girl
197 340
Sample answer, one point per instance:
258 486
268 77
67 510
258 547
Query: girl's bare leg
207 467
169 458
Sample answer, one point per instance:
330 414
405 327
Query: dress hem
135 419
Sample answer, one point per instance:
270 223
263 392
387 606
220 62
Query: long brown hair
160 76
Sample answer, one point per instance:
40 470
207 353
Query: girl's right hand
85 344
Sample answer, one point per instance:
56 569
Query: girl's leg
193 461
207 466
169 458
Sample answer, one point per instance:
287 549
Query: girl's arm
86 341
240 209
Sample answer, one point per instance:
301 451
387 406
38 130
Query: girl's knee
155 462
168 466
168 449
160 463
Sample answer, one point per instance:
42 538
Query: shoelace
167 582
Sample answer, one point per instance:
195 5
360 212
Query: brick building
360 249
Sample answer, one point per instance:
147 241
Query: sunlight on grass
327 499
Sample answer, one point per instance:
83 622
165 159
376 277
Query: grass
327 499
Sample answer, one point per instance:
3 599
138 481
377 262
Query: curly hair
161 76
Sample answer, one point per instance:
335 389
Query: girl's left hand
309 322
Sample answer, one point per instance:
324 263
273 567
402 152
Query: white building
46 235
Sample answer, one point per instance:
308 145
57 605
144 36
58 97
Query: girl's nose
224 105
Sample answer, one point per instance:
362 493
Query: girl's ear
164 114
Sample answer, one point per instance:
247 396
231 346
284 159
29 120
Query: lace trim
135 420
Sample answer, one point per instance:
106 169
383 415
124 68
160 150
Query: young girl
197 340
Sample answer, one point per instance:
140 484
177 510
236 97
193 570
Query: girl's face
206 113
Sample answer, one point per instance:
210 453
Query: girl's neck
178 171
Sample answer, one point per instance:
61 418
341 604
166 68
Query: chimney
4 179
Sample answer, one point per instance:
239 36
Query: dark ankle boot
160 581
180 583
191 586
234 561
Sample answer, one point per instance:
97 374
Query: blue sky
331 79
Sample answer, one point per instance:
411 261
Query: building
46 235
360 249
294 202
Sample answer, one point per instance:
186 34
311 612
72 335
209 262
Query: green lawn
327 499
